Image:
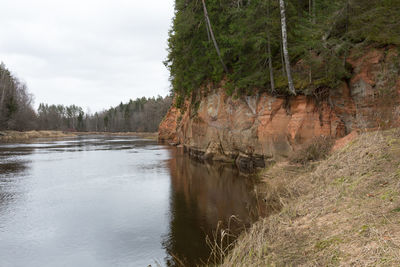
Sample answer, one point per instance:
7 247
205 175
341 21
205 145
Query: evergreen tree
250 44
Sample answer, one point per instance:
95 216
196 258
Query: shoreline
15 136
152 136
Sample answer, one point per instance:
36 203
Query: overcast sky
93 53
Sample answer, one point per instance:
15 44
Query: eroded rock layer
252 129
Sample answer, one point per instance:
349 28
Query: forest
17 112
283 47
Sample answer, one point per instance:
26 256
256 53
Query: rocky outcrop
169 126
253 129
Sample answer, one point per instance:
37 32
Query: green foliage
375 21
396 210
11 106
179 101
317 45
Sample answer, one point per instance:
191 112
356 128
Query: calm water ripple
111 201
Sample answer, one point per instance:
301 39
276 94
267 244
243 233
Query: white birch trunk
208 31
271 71
285 47
282 60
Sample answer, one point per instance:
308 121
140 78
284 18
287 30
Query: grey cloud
90 53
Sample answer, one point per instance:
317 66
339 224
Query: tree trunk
213 37
271 71
282 59
285 47
208 31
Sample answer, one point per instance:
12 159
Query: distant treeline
17 113
140 115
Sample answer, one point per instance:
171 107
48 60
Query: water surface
112 201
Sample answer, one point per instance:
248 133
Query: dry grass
318 149
344 211
10 136
221 242
152 136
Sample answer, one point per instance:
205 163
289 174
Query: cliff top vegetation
241 41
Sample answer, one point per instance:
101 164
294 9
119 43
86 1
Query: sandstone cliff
252 129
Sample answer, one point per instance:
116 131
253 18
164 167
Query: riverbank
13 136
151 136
341 211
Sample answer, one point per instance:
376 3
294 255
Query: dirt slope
343 211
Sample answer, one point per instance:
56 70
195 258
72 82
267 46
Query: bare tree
213 37
285 47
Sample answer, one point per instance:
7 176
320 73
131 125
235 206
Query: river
113 201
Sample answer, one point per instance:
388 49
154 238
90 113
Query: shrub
318 149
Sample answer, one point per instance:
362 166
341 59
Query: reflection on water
201 196
12 167
112 201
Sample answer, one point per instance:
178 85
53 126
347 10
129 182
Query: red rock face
167 130
263 126
373 89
